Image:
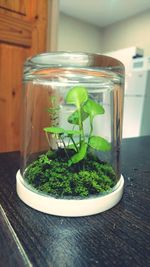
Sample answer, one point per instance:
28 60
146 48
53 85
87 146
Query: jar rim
76 59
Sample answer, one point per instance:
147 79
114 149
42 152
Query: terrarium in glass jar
71 133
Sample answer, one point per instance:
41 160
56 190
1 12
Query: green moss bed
50 174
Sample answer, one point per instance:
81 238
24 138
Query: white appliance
126 55
136 120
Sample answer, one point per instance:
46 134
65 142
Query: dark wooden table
117 237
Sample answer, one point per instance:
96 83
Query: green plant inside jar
73 169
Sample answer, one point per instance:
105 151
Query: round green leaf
54 130
93 108
99 143
76 96
74 117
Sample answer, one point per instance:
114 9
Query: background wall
131 32
77 35
80 36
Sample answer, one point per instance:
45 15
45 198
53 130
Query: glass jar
71 127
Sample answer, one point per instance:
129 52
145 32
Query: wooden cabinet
23 32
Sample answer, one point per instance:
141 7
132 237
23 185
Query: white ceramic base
68 207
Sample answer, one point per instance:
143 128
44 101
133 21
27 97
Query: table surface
117 237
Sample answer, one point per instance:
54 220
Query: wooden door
23 31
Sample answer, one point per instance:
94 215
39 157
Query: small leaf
80 155
53 110
99 143
74 117
93 108
54 130
72 132
76 96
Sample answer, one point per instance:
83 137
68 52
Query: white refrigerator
136 119
136 115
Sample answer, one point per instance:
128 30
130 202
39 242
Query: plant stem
91 130
57 141
64 147
74 143
81 127
70 136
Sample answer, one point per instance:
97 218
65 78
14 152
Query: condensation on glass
47 79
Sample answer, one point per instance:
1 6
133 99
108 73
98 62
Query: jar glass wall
72 114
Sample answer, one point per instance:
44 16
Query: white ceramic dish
68 207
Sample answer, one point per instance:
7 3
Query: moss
51 174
